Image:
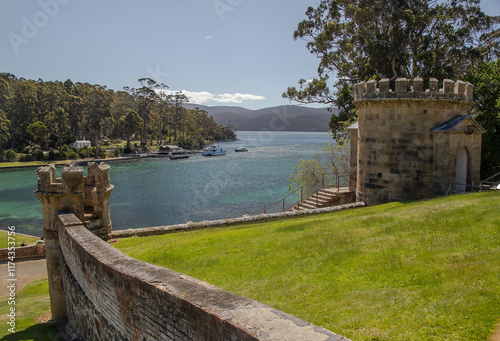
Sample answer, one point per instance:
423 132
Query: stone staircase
324 197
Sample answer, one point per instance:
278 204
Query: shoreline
82 162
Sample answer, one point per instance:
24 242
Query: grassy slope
416 271
19 239
32 302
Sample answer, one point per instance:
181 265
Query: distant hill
280 118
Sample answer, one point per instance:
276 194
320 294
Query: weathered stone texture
111 296
399 156
25 252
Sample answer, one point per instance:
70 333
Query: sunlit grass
19 239
32 305
401 271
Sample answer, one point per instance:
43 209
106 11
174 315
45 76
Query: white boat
214 150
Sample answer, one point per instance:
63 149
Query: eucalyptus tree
38 131
4 130
177 99
23 109
130 124
97 108
163 104
486 80
358 40
58 121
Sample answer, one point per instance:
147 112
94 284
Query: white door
461 174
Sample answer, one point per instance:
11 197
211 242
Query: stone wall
110 296
408 139
25 252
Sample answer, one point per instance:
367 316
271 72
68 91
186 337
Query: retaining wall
110 296
34 251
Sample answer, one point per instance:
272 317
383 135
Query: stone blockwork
190 226
110 296
34 251
408 140
87 198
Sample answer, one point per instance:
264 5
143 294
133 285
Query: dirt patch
25 272
496 335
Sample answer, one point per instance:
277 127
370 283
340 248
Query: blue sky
219 52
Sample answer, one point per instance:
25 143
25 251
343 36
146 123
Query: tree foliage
54 114
486 80
357 40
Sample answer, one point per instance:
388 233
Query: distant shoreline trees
40 115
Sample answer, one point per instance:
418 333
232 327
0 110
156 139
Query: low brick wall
111 296
35 251
159 230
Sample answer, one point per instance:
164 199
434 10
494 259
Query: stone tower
85 196
413 143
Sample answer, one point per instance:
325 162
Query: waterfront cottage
81 143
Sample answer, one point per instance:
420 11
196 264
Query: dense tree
55 114
4 129
97 110
177 100
357 40
38 131
486 80
163 103
130 124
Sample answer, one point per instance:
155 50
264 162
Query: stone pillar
58 195
87 198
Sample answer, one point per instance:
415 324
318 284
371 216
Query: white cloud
201 97
209 37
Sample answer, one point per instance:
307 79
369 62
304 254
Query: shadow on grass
38 332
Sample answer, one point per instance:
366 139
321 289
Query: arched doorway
461 174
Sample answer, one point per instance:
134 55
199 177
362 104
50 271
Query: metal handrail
298 196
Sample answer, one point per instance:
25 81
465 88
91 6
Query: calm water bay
155 192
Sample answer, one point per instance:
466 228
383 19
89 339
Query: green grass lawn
32 304
19 239
425 270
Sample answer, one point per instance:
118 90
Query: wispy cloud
201 97
209 37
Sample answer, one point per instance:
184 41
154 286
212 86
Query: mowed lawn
426 270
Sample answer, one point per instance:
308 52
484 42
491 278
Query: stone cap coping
451 90
255 318
149 231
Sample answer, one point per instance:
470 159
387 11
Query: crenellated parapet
85 196
450 90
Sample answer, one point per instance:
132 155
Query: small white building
81 143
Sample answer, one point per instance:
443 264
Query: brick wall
110 296
25 252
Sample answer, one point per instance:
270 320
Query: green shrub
116 153
84 152
72 155
10 155
53 155
37 155
25 158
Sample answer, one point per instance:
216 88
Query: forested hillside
36 116
279 118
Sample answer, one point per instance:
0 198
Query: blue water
156 192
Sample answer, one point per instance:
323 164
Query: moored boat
214 150
241 149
